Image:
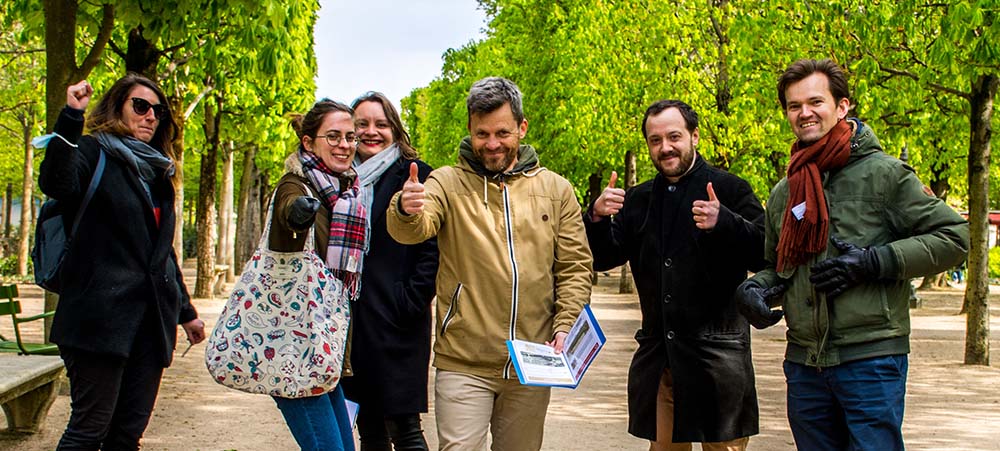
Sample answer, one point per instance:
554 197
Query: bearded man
690 234
514 263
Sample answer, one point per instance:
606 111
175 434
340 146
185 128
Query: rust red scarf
804 231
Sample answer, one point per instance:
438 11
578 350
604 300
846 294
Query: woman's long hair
399 134
108 116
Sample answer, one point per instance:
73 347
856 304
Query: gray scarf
142 158
369 173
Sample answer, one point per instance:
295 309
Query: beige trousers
466 406
665 424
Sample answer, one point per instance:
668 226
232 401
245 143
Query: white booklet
538 364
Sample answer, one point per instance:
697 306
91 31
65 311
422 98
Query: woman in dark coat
392 319
122 291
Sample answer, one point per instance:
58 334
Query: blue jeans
852 406
319 423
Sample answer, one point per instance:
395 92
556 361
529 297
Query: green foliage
995 263
588 70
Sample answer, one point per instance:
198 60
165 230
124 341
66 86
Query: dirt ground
949 406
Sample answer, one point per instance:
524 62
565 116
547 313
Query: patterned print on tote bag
284 328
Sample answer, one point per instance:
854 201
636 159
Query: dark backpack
51 240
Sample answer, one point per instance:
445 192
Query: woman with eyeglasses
392 320
122 293
320 193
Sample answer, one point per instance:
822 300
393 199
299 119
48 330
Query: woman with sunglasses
320 194
392 320
122 291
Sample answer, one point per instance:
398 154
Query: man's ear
523 128
843 106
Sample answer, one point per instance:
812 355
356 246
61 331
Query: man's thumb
413 173
613 180
711 193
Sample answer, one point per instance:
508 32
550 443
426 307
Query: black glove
752 299
302 212
853 267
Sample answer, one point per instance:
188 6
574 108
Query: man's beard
683 165
497 165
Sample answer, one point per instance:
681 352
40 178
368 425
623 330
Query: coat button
671 188
809 302
666 299
166 278
668 263
670 335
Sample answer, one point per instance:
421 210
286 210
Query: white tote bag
284 329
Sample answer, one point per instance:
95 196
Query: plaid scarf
348 224
805 226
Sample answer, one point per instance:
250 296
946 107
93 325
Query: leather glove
853 267
302 212
751 298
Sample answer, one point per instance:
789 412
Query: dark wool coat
121 268
686 278
392 319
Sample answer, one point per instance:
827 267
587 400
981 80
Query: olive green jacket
875 200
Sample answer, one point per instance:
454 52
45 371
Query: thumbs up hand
611 201
706 212
412 200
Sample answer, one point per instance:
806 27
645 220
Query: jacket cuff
69 125
887 263
188 313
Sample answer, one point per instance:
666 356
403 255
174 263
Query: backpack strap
94 181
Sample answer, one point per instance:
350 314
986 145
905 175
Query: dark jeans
378 430
853 406
111 398
319 423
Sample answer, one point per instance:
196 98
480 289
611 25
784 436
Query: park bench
28 386
10 306
219 278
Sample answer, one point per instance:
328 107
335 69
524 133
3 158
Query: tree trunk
593 192
977 333
205 221
224 251
61 69
940 186
248 221
26 118
177 104
625 284
9 210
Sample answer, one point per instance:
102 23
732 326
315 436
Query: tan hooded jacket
514 260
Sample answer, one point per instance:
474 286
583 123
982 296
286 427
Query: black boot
406 432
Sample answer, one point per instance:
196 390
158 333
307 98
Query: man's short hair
490 93
806 67
690 116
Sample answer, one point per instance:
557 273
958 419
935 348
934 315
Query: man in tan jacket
514 263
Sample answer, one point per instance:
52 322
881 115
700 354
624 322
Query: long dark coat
391 345
685 278
121 272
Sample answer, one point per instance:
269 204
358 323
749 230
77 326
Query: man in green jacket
514 263
844 232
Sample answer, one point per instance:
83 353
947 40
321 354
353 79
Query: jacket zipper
513 268
452 309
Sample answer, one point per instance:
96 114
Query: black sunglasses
141 106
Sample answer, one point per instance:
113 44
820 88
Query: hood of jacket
527 160
863 142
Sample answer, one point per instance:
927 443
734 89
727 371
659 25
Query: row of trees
233 71
923 74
